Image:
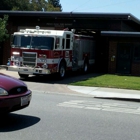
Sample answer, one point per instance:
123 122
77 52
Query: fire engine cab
41 52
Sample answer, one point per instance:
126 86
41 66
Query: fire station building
117 36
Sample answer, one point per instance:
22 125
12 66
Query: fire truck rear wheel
23 75
62 70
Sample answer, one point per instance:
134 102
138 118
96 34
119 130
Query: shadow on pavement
70 78
14 122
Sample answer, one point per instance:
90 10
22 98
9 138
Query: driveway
49 84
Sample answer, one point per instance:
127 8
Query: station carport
116 35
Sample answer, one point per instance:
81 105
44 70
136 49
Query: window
136 56
38 42
63 43
57 43
68 41
41 42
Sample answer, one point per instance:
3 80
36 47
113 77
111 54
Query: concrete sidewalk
107 92
3 67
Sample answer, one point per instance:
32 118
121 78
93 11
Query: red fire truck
42 52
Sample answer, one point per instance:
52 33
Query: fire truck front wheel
23 75
62 70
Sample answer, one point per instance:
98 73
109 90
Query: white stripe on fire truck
55 61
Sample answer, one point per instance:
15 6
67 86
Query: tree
30 5
3 30
38 5
43 5
14 5
22 5
50 7
4 5
55 5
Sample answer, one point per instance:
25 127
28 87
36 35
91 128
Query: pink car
14 94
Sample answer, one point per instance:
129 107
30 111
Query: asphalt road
68 117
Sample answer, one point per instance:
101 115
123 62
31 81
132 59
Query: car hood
8 82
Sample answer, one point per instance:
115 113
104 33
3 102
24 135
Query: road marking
103 106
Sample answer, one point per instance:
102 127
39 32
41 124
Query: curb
66 93
119 99
3 67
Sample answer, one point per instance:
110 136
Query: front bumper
14 102
28 70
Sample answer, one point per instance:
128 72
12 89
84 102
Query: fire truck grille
29 59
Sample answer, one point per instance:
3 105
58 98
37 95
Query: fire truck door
75 55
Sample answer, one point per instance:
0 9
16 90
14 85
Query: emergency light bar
37 27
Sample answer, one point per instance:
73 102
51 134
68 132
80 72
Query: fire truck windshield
36 42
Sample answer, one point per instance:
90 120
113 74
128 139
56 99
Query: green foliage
5 5
111 81
30 5
21 5
14 5
50 7
54 5
38 5
3 30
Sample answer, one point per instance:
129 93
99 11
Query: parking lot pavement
45 87
97 92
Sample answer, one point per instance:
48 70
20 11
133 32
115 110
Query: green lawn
112 81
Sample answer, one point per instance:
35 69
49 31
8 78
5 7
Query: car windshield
37 42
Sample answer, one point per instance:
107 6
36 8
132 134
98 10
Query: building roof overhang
109 16
83 21
120 34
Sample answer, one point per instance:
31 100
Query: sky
102 6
